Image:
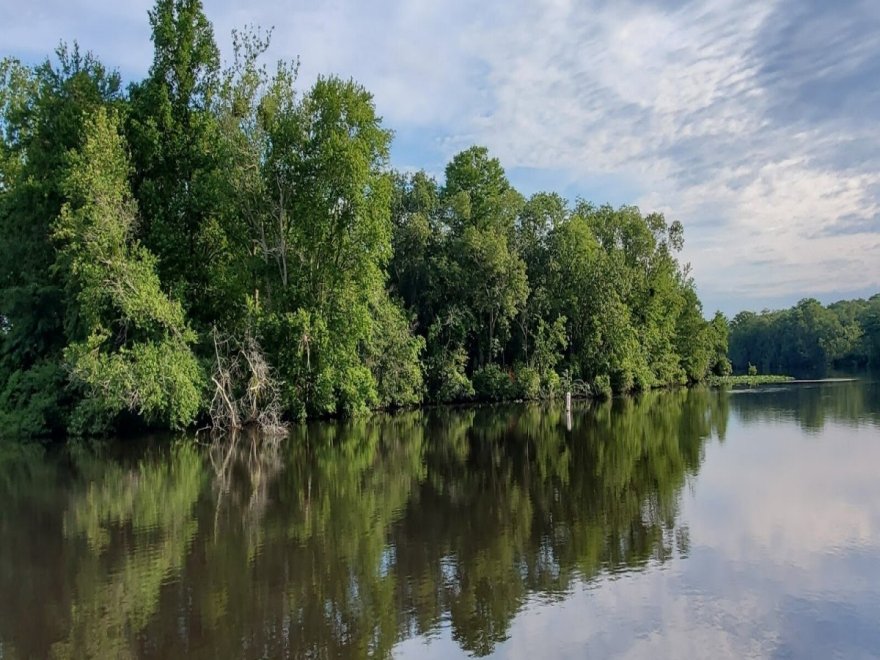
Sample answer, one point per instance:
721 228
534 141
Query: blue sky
754 123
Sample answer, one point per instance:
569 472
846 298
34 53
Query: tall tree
129 343
540 215
416 241
486 274
43 111
172 132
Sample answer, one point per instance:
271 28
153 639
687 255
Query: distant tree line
808 337
213 244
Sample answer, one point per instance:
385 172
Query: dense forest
214 245
808 338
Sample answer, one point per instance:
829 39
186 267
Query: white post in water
568 411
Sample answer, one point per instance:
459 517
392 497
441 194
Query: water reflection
346 539
812 405
88 562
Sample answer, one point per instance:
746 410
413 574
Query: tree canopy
215 215
808 337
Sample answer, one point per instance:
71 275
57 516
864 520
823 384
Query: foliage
807 337
129 342
528 383
550 341
551 385
750 380
491 383
32 401
314 199
393 354
212 198
172 133
41 117
485 275
447 380
602 386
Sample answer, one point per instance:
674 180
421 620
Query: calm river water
690 524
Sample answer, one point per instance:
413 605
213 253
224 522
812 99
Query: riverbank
748 381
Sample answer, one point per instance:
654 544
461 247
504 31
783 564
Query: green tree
696 341
869 320
316 202
487 276
540 215
805 338
393 355
42 111
172 132
416 242
603 340
269 217
129 345
720 333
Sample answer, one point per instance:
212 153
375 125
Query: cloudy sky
754 123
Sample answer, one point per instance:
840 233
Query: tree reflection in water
345 538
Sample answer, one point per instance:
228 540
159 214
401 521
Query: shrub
552 385
31 401
356 391
621 381
491 383
446 376
528 383
722 367
393 354
602 386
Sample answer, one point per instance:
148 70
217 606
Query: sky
753 123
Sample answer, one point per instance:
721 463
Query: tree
696 342
869 321
587 291
485 274
719 362
805 338
253 216
317 209
334 151
540 215
477 193
416 242
393 355
172 132
41 114
129 345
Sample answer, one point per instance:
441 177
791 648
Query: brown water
680 524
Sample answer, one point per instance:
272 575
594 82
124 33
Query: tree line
808 337
213 243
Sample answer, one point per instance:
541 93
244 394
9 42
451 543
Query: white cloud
676 101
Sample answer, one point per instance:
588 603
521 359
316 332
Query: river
690 523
